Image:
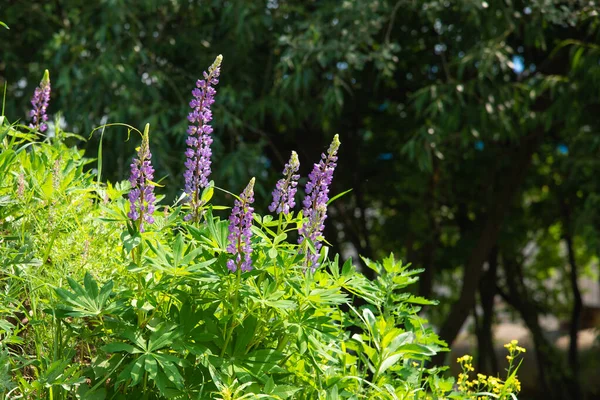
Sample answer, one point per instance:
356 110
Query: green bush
93 307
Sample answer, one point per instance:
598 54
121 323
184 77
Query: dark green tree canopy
469 127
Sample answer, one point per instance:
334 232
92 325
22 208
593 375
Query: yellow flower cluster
483 383
513 350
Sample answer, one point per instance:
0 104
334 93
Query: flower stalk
39 102
240 231
315 203
199 139
141 197
285 189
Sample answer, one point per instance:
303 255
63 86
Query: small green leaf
285 391
388 362
280 238
269 386
337 196
414 348
130 242
207 194
272 253
244 334
347 268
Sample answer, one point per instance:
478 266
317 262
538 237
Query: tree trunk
577 302
487 240
487 361
555 380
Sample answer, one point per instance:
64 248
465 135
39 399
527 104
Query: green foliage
159 315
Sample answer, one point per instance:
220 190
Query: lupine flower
315 202
40 101
141 197
240 233
285 189
199 140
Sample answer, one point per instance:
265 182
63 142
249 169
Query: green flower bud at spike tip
216 64
46 78
145 147
334 146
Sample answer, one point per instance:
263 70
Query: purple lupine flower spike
315 202
285 190
40 101
199 140
141 197
240 233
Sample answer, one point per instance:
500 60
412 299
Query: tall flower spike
315 202
40 101
240 233
141 197
199 140
285 189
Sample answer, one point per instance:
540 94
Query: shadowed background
469 137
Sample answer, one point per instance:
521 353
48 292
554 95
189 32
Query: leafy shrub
179 302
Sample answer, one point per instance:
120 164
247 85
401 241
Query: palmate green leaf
262 361
162 368
137 368
176 262
359 285
163 337
170 369
60 373
325 347
269 295
151 367
329 296
84 301
6 326
218 231
136 337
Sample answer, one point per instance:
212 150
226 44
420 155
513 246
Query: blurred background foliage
469 133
